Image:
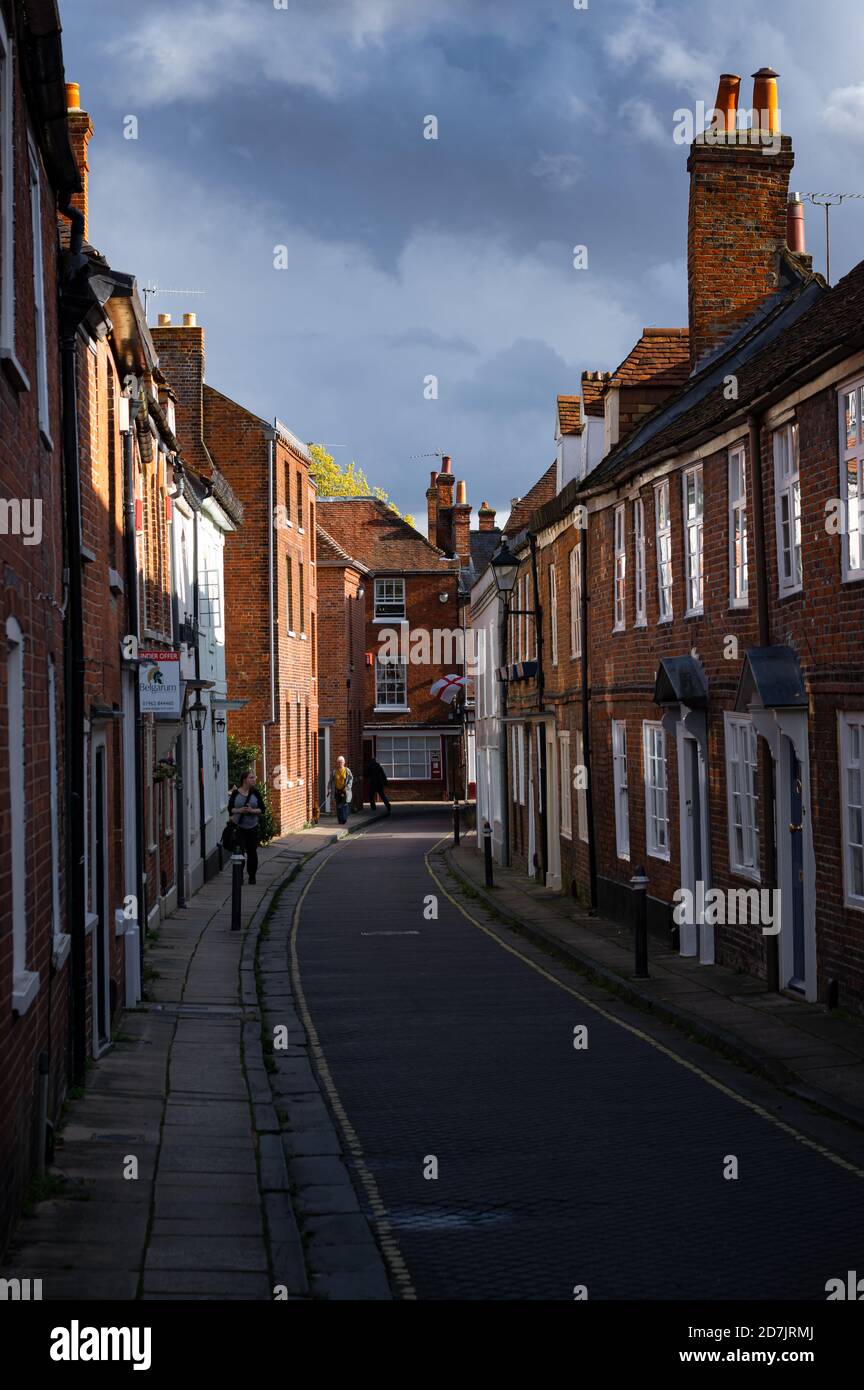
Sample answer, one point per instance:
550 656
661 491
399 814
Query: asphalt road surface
557 1167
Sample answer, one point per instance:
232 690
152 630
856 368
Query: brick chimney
80 134
486 517
461 545
181 358
739 186
432 509
444 484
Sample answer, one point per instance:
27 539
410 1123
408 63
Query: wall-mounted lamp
220 723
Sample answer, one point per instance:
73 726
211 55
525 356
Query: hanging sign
159 682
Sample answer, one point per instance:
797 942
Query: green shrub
242 756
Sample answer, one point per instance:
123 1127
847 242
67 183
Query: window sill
617 630
748 875
91 919
566 834
47 441
60 948
663 855
694 613
664 622
25 987
624 858
790 593
641 623
390 618
392 709
303 637
13 370
852 577
739 606
291 632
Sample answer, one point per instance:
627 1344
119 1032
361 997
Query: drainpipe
131 567
271 585
586 720
72 310
541 687
754 424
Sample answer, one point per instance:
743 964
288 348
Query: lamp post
198 714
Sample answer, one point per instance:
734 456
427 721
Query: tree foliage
350 481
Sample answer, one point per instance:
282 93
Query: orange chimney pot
461 494
728 94
73 96
765 102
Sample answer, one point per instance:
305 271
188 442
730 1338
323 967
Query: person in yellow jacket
340 788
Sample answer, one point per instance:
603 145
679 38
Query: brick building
37 174
719 541
413 635
342 582
271 599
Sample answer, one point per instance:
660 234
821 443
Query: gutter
271 436
586 720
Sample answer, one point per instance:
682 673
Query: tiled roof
329 552
593 389
570 414
660 358
369 531
790 340
523 508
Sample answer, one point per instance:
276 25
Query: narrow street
556 1166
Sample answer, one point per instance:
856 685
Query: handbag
230 838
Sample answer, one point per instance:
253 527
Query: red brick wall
341 632
737 226
31 591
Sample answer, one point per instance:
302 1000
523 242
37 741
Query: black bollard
237 862
487 853
639 884
455 823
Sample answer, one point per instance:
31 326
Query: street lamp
219 723
505 568
198 714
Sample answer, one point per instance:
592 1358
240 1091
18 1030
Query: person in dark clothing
246 807
377 779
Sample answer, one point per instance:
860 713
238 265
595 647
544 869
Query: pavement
814 1053
174 1170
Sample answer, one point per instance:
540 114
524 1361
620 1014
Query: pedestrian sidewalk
814 1053
168 1179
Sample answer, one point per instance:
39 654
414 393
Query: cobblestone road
557 1167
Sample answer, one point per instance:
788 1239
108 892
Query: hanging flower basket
165 770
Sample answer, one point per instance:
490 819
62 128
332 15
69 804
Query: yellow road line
639 1033
389 1246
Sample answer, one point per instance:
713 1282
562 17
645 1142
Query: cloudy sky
300 123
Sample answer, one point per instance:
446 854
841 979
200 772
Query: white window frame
35 186
852 453
640 590
620 580
25 983
742 795
621 788
520 751
663 533
576 602
7 205
852 836
655 759
389 598
581 793
408 757
787 489
739 583
693 521
382 693
553 612
564 782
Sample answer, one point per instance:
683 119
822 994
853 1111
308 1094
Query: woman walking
246 807
340 787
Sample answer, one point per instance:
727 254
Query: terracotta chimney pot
765 101
728 94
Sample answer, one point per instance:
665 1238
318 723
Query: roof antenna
829 201
154 289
